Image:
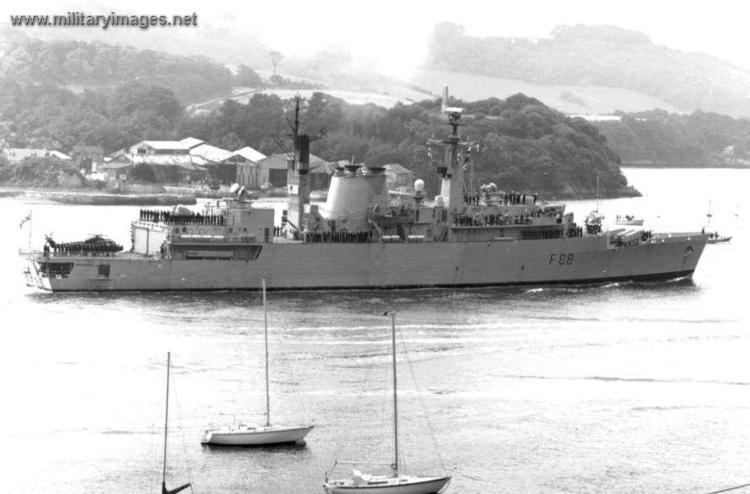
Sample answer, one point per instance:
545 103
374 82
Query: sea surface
616 388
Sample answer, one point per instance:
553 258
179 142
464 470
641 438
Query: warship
363 237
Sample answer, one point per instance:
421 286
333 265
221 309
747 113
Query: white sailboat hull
397 485
255 436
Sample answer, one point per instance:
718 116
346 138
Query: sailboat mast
597 193
30 232
395 396
166 421
265 331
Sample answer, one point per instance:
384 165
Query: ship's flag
25 220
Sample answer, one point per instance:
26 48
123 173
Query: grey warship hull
290 266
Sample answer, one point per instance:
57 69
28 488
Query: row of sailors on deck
328 237
519 198
338 237
191 218
499 219
513 198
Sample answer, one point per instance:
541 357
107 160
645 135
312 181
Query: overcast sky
391 35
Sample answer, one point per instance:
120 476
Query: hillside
233 45
95 65
661 139
523 144
573 100
47 116
603 56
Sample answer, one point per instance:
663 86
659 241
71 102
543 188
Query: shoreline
183 197
63 196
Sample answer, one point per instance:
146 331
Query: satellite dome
234 188
419 185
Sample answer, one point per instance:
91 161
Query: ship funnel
352 167
376 170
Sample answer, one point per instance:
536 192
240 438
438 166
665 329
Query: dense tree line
46 172
33 61
46 116
659 138
522 144
598 55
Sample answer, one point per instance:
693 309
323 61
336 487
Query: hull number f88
562 259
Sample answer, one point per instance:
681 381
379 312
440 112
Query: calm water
618 388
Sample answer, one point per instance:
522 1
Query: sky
391 35
394 33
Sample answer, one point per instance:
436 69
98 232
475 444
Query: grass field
578 100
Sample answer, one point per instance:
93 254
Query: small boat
241 434
397 482
164 489
715 238
628 219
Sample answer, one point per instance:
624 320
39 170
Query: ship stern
32 271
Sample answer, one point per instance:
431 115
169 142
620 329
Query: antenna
453 112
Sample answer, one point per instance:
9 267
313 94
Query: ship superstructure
363 238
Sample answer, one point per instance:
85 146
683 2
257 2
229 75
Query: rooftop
249 154
191 142
209 152
166 145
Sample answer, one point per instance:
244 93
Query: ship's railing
71 253
502 219
213 239
676 235
337 237
505 199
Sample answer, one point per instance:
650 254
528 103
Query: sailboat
397 482
714 237
256 435
164 489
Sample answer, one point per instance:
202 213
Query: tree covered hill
47 116
659 138
598 56
523 144
95 64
